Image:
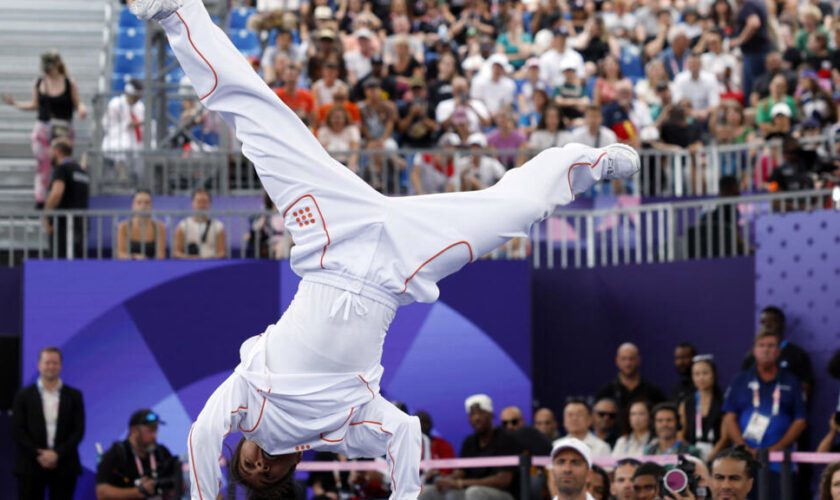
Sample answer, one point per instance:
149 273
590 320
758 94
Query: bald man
512 418
629 386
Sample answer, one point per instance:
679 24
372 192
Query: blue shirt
739 400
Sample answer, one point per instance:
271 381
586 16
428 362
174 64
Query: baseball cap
451 139
326 33
532 62
501 60
567 65
364 33
134 88
570 443
483 401
477 139
781 108
145 417
323 12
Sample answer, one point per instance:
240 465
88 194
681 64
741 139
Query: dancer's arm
287 156
220 416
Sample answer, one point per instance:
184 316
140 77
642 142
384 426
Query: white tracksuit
312 379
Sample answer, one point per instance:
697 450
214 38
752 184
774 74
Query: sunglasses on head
513 421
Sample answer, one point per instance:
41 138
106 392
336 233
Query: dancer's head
264 475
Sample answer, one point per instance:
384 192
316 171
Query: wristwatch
139 484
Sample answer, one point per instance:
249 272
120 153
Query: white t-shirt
324 94
357 64
120 132
488 171
194 233
702 92
552 61
474 113
341 142
598 447
543 139
583 136
495 95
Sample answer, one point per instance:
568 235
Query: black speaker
9 370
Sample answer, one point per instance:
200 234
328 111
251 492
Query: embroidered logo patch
304 216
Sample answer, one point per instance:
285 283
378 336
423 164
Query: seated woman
141 237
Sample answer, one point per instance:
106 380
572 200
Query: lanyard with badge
141 471
758 424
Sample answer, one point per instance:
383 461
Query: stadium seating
131 39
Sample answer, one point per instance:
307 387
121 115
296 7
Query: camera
193 249
681 480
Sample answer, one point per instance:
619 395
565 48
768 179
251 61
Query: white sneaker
154 9
622 161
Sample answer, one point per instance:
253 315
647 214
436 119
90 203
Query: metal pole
763 475
787 477
524 477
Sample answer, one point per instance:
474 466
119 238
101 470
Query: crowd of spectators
718 434
510 77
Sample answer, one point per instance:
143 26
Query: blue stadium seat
175 75
118 81
129 20
246 41
131 38
239 18
129 61
174 108
631 63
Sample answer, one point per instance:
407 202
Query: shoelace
347 301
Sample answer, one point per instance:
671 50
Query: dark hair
687 345
283 488
740 454
834 365
665 407
542 124
650 469
597 469
628 461
200 190
63 145
825 480
777 311
55 350
573 400
728 185
716 392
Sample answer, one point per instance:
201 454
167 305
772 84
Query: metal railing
662 232
222 169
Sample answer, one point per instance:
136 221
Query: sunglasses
511 422
606 414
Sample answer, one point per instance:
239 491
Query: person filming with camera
139 467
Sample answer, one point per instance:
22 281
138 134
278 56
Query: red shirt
301 101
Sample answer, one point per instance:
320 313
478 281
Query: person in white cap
478 170
570 464
122 124
498 89
311 381
488 483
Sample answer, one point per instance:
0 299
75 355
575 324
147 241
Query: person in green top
810 18
778 94
514 41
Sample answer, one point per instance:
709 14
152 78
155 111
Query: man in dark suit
49 422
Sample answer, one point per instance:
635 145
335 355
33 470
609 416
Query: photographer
139 467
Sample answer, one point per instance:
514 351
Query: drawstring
347 300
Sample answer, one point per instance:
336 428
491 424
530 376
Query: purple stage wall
798 269
582 316
164 334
